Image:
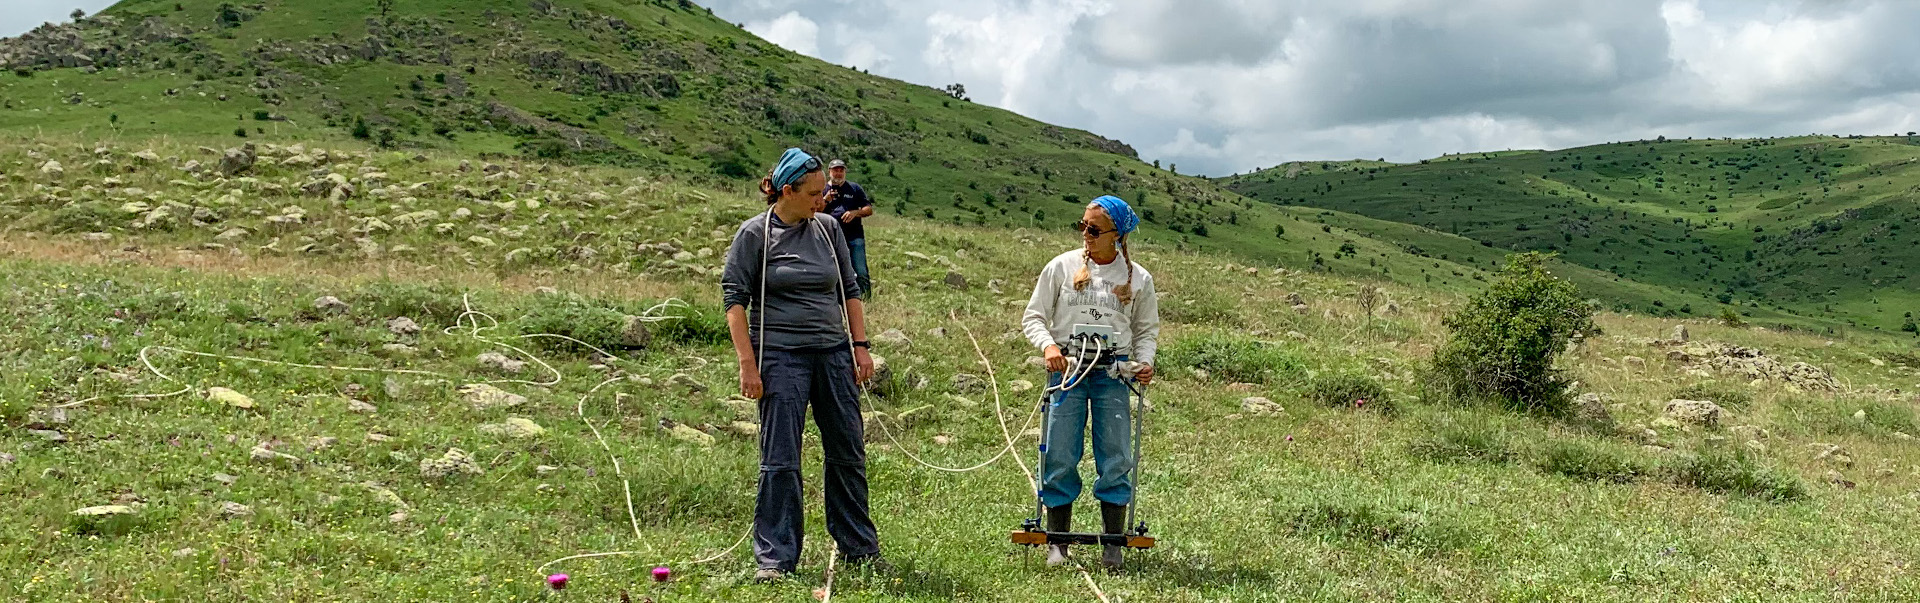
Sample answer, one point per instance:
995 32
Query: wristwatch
863 344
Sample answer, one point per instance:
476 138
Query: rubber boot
1113 520
1059 521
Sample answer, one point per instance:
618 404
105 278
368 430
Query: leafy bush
1590 461
1504 342
83 216
437 304
1726 395
1736 473
1234 357
597 324
694 324
1348 390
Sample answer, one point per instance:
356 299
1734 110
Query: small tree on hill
1910 326
1731 318
1504 342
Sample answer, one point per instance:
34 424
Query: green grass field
1434 501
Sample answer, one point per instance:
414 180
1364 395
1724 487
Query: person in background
803 345
1098 284
849 203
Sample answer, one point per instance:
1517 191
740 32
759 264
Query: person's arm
857 326
1145 327
739 280
1034 322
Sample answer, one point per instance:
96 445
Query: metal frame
1033 531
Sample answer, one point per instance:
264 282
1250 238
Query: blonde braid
1125 291
1085 275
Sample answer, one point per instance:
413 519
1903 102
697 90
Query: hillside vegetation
1817 226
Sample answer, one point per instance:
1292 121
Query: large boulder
237 161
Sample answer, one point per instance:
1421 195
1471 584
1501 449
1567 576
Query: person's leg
1112 427
1065 444
857 248
778 515
836 409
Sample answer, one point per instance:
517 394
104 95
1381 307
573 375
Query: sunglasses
1091 229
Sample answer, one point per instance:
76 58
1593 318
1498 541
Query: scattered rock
743 429
1260 406
1748 363
937 332
397 349
634 333
882 374
545 469
1301 309
263 454
1591 408
331 304
482 396
1680 334
1832 454
686 433
1694 412
893 338
1294 299
955 281
455 461
1751 432
237 161
942 440
996 286
1835 478
234 510
515 427
968 383
683 380
1019 386
104 510
49 435
1634 361
1296 335
52 168
321 442
385 496
501 363
184 552
361 408
229 397
6 459
403 326
225 479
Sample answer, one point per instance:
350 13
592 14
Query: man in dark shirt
849 203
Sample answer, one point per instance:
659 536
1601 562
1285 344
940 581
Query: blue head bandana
793 165
1123 217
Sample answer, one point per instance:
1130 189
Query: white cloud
791 31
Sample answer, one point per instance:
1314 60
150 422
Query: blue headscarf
793 165
1124 220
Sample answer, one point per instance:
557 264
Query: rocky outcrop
1747 363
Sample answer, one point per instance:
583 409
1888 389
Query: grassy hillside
664 87
1817 226
1428 500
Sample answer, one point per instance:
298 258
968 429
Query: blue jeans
858 249
1107 398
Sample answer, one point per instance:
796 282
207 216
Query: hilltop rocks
1748 363
483 397
1694 412
454 462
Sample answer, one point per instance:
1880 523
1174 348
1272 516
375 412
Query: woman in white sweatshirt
1096 285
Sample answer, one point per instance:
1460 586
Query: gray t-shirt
803 305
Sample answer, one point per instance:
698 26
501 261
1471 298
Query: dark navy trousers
825 381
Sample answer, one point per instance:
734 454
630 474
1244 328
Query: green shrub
596 324
1234 357
1726 395
1403 527
430 305
1349 390
1736 473
692 324
1504 342
1853 415
84 216
1598 462
1466 443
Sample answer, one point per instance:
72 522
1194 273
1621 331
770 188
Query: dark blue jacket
848 197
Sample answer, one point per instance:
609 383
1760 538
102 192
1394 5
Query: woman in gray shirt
799 331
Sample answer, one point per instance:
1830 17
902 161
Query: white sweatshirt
1055 306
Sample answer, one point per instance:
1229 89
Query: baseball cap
837 163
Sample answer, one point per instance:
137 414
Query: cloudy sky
1223 86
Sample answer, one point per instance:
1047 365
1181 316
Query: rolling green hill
1818 226
665 87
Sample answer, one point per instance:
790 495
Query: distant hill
1819 226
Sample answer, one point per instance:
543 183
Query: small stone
1296 335
234 510
634 332
892 338
1634 361
937 332
1696 412
482 396
398 349
104 510
1019 386
49 435
397 517
403 326
515 427
361 408
6 459
686 433
455 461
500 363
262 454
1860 415
942 440
185 552
1590 407
1260 406
545 469
331 304
225 479
956 282
1037 362
229 397
743 429
1835 478
968 383
1680 334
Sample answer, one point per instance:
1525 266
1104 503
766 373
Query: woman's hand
1055 361
862 365
1144 375
750 385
